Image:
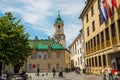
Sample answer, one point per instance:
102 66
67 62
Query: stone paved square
67 76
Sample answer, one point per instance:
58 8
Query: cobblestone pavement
67 76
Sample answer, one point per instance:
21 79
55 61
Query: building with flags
101 28
46 55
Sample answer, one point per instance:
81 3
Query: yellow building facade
102 40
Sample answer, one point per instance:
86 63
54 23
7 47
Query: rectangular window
58 55
100 61
93 26
104 60
49 66
80 40
86 46
113 30
86 17
87 62
102 37
94 41
98 40
57 66
30 66
96 61
80 50
90 62
92 11
91 43
49 55
100 21
38 65
78 61
107 34
93 62
88 31
34 56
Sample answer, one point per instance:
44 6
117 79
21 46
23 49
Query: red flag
114 3
33 66
107 7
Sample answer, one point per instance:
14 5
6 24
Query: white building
77 50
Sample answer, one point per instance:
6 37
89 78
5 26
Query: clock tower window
58 28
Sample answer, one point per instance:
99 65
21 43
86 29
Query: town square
60 40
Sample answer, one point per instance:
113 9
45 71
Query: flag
41 55
101 14
107 8
110 6
33 66
44 56
104 10
114 3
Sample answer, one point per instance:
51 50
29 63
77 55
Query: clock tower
59 31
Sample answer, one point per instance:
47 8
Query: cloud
71 32
41 14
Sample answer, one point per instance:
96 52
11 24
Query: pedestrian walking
61 72
110 75
54 72
38 70
103 73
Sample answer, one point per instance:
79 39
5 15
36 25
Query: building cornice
85 8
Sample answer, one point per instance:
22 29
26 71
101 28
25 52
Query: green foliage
14 45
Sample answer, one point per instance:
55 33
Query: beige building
77 52
48 54
102 39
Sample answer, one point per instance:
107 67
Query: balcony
87 52
91 50
103 45
114 40
98 47
107 43
94 48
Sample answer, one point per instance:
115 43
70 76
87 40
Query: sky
38 16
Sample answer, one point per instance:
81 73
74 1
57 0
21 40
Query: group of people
109 71
5 75
77 70
60 72
53 71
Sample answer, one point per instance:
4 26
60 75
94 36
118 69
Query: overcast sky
38 16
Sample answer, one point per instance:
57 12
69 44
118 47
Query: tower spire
58 12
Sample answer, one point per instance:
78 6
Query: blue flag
101 14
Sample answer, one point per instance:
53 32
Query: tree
14 42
